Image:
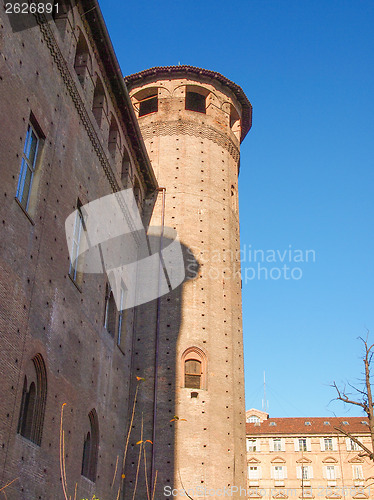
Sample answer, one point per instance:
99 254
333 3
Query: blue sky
307 172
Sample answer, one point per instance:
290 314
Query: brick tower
193 121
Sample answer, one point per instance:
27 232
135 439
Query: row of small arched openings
32 411
95 93
197 99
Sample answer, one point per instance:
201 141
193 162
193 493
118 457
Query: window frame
303 444
76 241
27 165
197 354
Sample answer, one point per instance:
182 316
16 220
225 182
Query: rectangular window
328 444
29 156
354 446
195 102
251 445
278 473
148 105
277 444
305 472
330 472
357 472
78 226
253 472
302 444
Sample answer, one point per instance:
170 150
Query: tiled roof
133 80
298 426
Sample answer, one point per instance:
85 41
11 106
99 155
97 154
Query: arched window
114 142
99 105
194 364
34 396
126 168
110 313
235 122
192 374
91 448
146 101
253 419
82 62
196 98
60 14
137 192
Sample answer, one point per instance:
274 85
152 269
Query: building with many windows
307 457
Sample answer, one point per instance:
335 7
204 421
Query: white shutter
285 472
335 444
283 444
298 472
271 444
272 472
259 472
337 472
322 443
348 444
247 441
310 472
324 471
258 448
296 443
308 444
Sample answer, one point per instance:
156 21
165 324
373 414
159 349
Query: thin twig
62 453
139 459
154 486
8 484
115 473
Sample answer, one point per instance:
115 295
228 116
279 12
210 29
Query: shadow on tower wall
150 457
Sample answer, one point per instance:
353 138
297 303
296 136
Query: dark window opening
99 105
192 374
110 314
114 139
82 62
148 105
91 448
195 102
31 418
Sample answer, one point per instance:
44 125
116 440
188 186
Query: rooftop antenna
264 402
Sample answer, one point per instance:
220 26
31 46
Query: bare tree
364 400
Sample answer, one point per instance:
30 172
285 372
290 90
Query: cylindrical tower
193 121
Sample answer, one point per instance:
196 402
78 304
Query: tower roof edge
159 71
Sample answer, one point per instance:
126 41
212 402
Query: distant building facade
307 457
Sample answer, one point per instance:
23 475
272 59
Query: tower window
192 374
195 101
148 105
194 368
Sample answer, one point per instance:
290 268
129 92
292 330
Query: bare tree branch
367 399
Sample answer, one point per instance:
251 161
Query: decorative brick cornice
183 127
83 115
